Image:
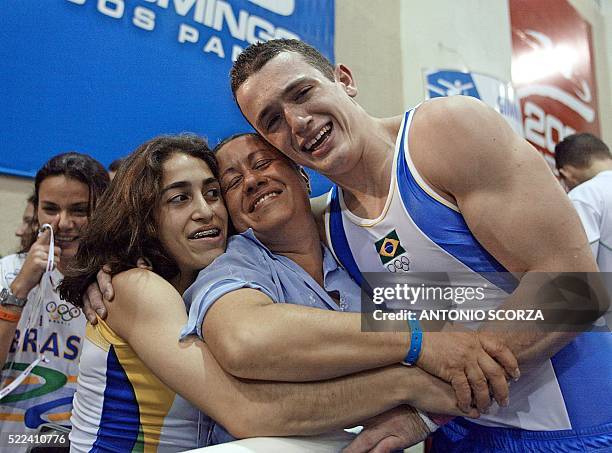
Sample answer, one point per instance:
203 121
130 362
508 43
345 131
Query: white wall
599 15
469 35
13 195
367 41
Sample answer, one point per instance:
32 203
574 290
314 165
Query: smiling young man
447 181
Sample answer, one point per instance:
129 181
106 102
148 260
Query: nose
20 230
254 180
297 119
63 221
202 210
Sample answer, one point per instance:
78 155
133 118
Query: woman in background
34 320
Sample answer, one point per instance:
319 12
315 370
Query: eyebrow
46 203
183 184
248 158
289 88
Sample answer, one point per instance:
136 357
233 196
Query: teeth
64 239
206 233
322 132
262 199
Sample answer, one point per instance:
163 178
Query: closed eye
272 122
233 183
262 163
302 94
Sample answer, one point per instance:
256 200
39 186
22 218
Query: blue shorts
462 436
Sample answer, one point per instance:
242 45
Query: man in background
584 163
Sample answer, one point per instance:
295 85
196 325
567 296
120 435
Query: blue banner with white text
103 76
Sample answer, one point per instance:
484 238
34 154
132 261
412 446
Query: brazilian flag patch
389 247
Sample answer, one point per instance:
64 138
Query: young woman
34 321
165 204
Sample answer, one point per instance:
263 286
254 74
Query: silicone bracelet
9 315
416 338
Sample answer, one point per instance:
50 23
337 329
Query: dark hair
254 57
72 165
114 165
256 136
123 227
579 150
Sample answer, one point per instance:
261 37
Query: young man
448 181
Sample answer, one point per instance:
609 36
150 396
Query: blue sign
103 76
450 83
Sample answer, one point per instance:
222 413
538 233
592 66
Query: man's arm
510 201
149 314
254 338
394 430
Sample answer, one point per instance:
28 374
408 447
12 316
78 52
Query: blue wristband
416 338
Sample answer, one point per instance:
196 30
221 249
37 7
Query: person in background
114 166
584 163
26 227
34 321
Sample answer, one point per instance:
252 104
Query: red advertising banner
553 72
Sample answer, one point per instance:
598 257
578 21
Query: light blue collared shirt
248 263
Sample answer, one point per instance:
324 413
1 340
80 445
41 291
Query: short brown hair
579 150
254 57
123 227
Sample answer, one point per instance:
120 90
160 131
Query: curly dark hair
123 228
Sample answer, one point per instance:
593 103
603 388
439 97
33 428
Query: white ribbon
33 315
19 379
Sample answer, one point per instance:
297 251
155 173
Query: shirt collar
329 262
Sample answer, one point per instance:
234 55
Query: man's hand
396 429
93 299
102 290
434 396
458 357
34 265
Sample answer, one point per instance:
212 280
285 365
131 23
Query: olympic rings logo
401 264
62 311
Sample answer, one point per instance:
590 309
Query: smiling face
313 120
262 189
63 203
191 215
